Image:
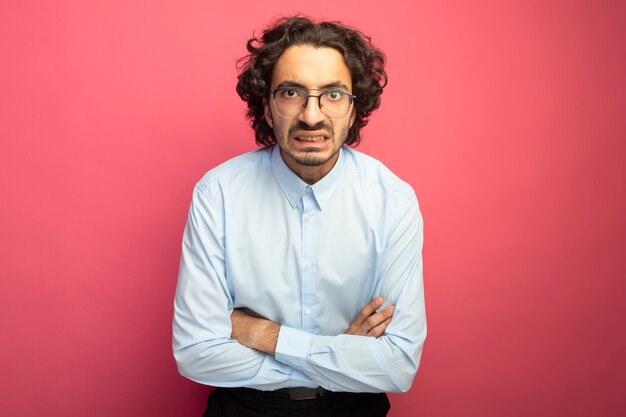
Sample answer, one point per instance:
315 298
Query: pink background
507 117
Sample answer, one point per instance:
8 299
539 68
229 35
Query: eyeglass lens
291 102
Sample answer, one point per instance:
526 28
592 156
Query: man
300 285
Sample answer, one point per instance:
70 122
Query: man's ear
267 112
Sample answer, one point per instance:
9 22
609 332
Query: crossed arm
262 334
216 345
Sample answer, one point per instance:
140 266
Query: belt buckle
301 393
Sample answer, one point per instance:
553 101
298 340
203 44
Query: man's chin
311 161
312 157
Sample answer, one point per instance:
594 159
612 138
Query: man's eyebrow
336 84
289 83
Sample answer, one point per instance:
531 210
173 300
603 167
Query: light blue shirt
309 258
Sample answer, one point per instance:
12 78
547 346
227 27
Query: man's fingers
367 311
369 322
376 319
380 329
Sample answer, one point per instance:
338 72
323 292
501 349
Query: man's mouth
311 138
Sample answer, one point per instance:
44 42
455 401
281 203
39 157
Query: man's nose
312 114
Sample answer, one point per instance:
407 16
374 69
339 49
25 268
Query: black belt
296 394
302 393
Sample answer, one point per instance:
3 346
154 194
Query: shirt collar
294 187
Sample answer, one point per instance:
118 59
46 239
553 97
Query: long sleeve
309 258
365 364
203 349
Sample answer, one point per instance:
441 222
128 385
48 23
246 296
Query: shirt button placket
308 261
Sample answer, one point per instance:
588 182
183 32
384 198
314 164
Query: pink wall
506 117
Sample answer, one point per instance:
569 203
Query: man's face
310 141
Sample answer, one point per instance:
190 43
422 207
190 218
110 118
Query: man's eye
334 95
290 93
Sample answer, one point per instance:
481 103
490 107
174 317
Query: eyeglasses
290 102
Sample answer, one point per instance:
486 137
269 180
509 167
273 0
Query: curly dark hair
365 62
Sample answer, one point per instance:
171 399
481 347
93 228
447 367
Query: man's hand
253 332
370 323
262 334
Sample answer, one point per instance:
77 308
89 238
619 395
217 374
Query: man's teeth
311 138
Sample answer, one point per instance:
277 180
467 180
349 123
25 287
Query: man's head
310 46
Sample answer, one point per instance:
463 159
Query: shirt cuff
292 347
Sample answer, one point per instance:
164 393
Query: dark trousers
245 402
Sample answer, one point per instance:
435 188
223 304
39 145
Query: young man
300 286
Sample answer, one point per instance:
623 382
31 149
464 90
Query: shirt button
308 217
307 311
307 266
